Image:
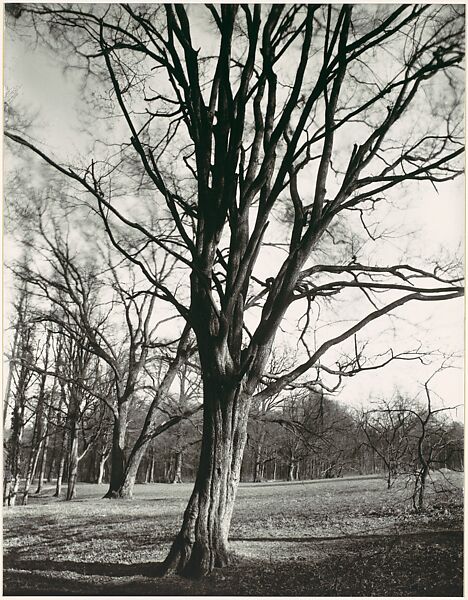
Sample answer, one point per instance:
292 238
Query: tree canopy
254 140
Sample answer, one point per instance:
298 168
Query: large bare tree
242 116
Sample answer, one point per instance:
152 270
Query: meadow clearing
339 537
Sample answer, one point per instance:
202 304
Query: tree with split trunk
73 293
266 133
102 448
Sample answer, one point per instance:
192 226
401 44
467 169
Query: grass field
342 537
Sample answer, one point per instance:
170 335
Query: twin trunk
123 471
202 542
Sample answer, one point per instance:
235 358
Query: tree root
193 560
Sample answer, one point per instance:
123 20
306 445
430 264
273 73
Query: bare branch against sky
267 177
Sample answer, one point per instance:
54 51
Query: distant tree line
61 414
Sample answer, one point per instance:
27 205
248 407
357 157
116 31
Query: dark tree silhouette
239 116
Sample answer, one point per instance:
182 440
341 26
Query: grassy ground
343 537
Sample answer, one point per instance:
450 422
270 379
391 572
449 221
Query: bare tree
73 296
431 438
387 430
253 111
38 436
21 382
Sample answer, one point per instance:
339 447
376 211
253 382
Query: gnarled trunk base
202 543
123 480
196 551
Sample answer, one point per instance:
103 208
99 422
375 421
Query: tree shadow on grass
41 584
359 569
371 537
147 569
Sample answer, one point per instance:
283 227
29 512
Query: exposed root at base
193 560
113 495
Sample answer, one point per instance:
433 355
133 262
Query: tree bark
11 366
296 471
125 491
17 430
117 458
45 451
32 466
259 464
422 489
60 470
202 542
42 466
72 461
58 437
177 478
102 465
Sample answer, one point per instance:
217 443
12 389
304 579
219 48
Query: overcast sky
434 222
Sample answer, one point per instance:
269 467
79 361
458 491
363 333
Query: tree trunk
61 468
291 466
117 464
147 475
136 455
167 471
296 472
177 478
17 430
72 461
14 489
102 465
32 466
61 462
6 491
202 542
42 465
262 471
258 475
11 366
125 491
422 489
389 478
45 451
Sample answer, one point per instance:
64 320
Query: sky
53 96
